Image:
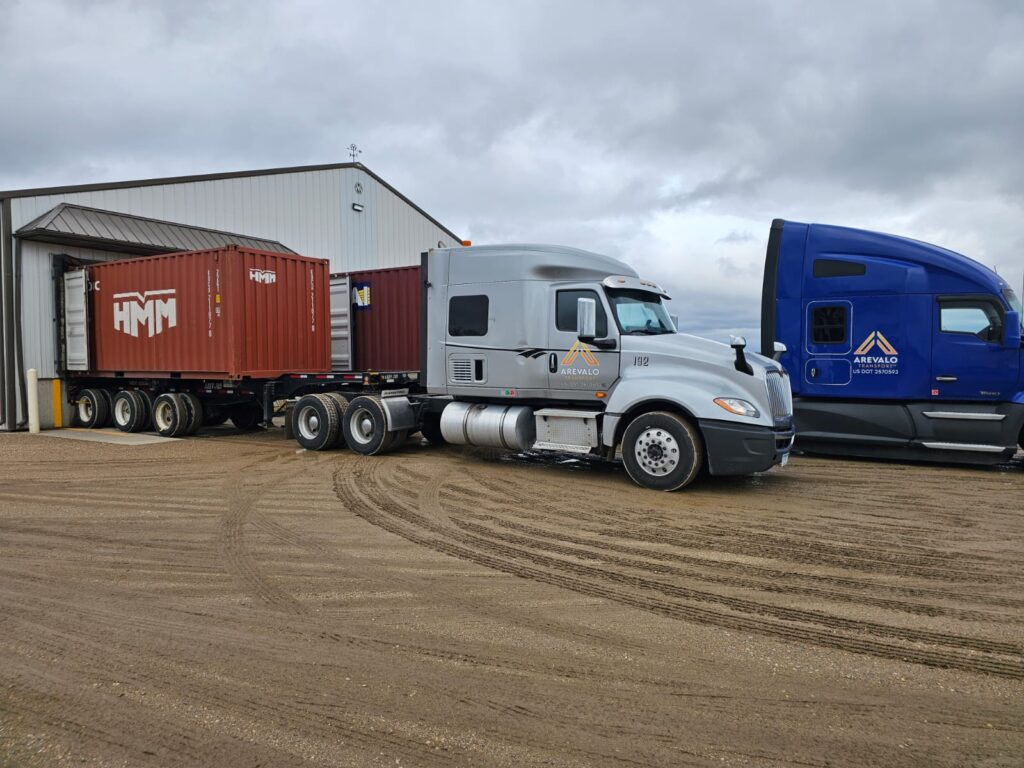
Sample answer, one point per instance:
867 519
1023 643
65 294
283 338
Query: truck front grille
780 395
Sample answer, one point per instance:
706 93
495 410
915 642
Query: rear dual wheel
176 414
366 427
316 421
92 408
130 411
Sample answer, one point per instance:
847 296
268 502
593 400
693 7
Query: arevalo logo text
876 355
579 352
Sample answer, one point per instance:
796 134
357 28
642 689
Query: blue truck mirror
1011 334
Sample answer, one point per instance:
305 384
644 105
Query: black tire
129 411
109 397
396 440
195 412
662 451
148 398
341 405
214 415
365 426
315 422
170 415
246 416
431 429
92 409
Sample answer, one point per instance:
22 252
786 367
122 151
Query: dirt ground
231 601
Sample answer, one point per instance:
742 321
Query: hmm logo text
153 309
576 351
265 276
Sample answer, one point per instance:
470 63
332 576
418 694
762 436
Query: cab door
969 359
576 369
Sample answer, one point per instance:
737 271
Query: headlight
737 407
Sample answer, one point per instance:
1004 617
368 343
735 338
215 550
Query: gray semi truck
552 349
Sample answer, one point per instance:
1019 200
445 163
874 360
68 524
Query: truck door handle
553 362
945 378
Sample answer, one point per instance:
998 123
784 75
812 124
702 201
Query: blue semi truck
895 348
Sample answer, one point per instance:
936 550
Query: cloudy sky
668 134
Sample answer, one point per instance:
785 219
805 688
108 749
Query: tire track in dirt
405 519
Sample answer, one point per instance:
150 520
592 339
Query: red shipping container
386 306
228 313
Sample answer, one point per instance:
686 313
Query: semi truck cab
896 348
550 348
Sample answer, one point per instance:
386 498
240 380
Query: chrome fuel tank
496 426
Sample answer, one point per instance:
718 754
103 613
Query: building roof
41 191
68 224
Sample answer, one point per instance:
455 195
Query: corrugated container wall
227 313
385 325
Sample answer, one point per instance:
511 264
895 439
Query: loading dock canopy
76 225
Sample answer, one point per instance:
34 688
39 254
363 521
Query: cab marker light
737 407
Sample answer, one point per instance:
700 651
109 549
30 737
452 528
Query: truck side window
467 315
828 324
970 316
838 268
565 311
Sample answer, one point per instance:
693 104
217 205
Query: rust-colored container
229 313
386 306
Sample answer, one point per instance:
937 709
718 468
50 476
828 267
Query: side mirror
586 318
1011 330
778 351
675 322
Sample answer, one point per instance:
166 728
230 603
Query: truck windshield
639 312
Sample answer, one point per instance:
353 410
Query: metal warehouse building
342 212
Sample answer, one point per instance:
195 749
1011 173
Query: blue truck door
969 360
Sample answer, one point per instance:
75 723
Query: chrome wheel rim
361 424
309 423
657 452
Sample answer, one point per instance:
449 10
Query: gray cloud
667 134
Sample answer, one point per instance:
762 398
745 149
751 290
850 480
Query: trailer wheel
91 409
108 419
246 416
431 429
661 451
315 422
148 398
341 405
170 414
365 426
194 409
129 411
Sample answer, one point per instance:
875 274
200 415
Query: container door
76 321
577 370
969 360
341 328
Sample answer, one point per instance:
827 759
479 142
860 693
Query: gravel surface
229 601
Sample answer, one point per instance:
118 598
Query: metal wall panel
310 212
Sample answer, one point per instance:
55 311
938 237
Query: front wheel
662 451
